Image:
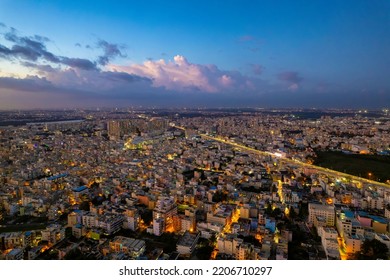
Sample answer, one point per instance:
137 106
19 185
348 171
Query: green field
372 167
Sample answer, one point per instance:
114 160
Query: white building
165 209
229 244
187 243
53 233
247 251
158 226
353 243
322 210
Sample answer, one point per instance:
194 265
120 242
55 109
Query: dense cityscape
229 135
230 184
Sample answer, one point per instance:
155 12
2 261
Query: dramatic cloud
181 75
292 78
110 51
62 75
157 79
164 82
28 48
33 48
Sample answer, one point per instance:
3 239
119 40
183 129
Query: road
319 169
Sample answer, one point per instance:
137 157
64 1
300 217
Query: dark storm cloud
290 76
110 51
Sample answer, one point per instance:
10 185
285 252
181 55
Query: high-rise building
165 209
114 129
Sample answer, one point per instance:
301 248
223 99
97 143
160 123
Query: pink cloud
291 77
182 75
226 80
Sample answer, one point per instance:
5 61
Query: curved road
323 170
320 169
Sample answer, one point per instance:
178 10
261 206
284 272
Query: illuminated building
10 240
246 251
78 231
158 226
132 219
110 223
129 246
326 211
353 243
53 234
165 209
229 244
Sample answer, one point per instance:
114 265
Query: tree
219 196
74 254
372 250
84 206
147 216
276 212
291 213
268 209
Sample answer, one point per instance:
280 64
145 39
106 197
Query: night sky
322 54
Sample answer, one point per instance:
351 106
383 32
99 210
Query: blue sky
201 53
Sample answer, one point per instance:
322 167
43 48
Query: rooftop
79 189
187 239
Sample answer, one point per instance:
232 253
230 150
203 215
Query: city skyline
322 54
